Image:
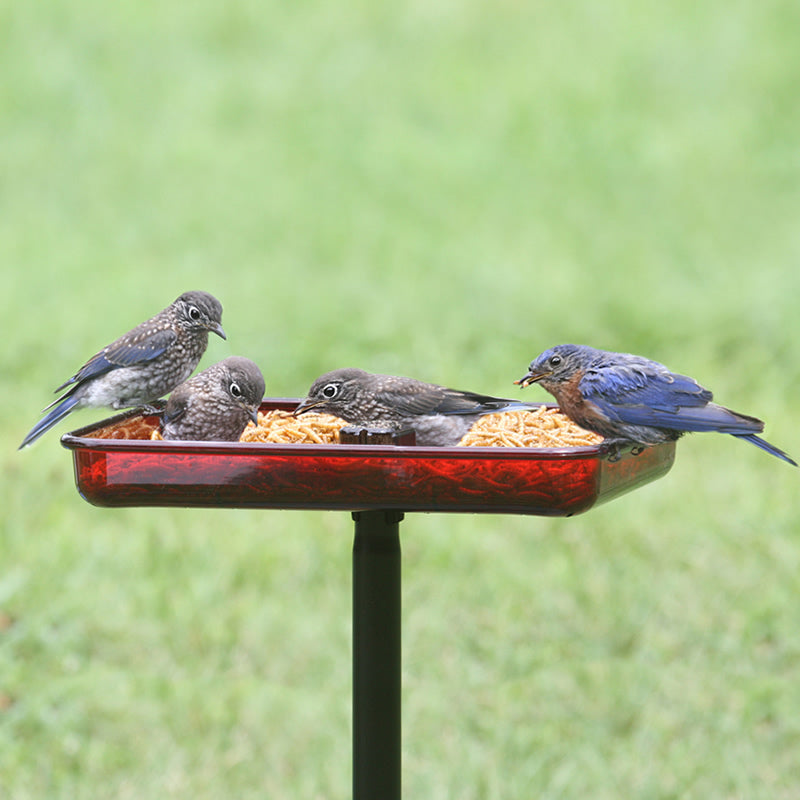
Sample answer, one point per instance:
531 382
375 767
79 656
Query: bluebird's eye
554 361
330 391
235 390
194 313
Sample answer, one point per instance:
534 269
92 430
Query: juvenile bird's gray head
557 365
335 392
242 381
199 311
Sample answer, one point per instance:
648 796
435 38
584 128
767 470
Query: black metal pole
376 655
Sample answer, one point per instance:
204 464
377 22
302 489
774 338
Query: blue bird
632 400
142 365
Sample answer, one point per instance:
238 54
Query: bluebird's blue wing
647 393
127 351
641 382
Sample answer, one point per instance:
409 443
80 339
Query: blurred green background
440 190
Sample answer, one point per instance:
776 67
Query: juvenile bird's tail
54 417
764 445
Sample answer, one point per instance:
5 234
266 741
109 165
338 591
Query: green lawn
439 190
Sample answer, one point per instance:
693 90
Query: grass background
439 190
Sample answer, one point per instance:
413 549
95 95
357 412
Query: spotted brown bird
439 416
142 365
216 404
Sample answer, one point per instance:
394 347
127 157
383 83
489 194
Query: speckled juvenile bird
439 416
216 404
632 400
144 364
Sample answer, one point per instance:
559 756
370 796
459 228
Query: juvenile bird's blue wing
133 348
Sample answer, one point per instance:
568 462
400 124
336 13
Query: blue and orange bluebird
631 400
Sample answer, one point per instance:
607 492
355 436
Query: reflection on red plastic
551 482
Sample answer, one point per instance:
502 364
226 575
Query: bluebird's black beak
218 329
532 377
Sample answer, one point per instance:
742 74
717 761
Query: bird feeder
378 484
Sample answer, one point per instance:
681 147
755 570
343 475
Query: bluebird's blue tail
764 445
45 423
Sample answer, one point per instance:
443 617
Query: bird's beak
218 329
254 415
531 377
306 405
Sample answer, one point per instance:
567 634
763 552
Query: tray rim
80 440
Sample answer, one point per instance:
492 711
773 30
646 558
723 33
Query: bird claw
615 452
153 409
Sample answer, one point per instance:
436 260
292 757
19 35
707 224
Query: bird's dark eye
235 390
330 390
554 361
194 312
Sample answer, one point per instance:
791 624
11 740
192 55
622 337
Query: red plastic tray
510 480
